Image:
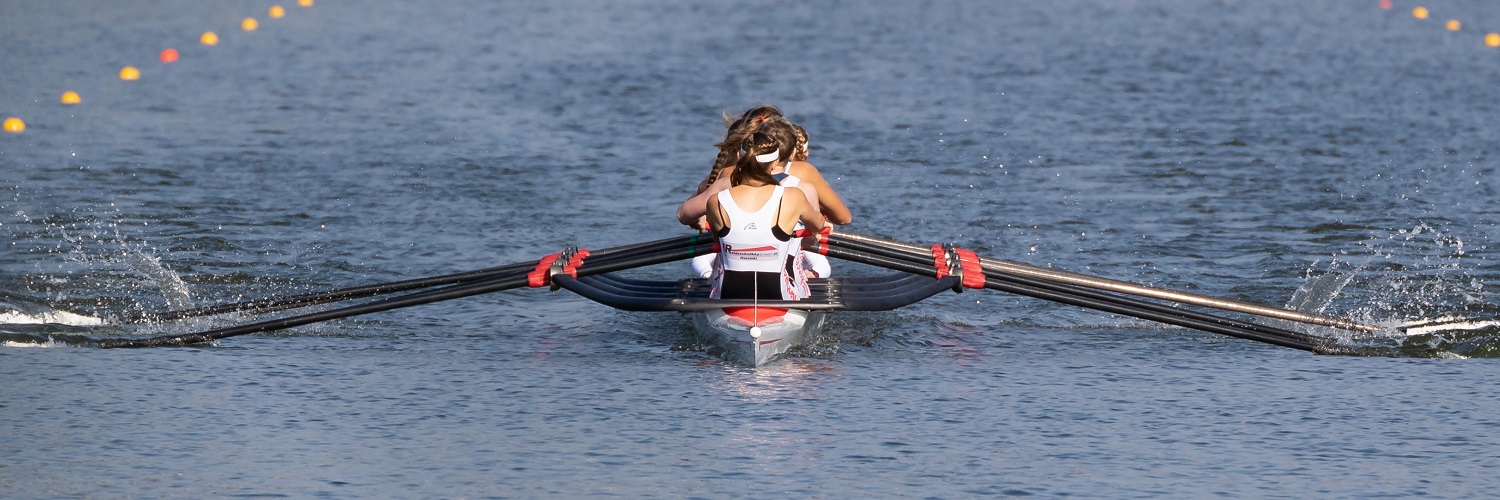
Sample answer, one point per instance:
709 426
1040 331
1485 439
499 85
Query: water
1237 149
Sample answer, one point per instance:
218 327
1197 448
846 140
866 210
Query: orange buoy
249 24
305 3
70 97
1419 13
1385 4
276 12
1454 25
1492 39
209 38
169 55
14 125
130 73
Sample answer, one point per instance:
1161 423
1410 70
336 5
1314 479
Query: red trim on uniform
756 249
939 262
538 277
973 270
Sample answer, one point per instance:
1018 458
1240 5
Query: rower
793 162
755 221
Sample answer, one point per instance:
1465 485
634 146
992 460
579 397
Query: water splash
1426 284
53 317
172 288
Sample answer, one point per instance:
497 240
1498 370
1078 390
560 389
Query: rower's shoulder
805 170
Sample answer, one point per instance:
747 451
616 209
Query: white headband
769 157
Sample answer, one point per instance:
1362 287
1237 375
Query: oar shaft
1098 283
324 297
608 263
1108 303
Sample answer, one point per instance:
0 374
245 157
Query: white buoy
754 332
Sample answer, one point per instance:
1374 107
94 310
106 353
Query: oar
1098 283
904 259
609 263
294 301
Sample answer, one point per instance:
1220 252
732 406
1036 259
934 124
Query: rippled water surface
1233 149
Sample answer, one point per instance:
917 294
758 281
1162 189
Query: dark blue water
1233 149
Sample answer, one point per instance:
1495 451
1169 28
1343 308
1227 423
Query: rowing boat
754 336
731 325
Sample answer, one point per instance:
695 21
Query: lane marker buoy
169 55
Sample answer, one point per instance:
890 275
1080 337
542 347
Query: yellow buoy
14 125
1492 39
305 3
71 97
249 24
129 73
276 12
209 38
1419 13
1454 25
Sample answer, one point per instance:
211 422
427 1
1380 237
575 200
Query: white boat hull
779 329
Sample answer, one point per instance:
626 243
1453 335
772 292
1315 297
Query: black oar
324 297
905 259
1098 283
608 263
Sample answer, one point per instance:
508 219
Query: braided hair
739 129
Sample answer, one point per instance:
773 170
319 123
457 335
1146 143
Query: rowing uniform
757 260
703 265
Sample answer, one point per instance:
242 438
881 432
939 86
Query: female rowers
805 178
754 221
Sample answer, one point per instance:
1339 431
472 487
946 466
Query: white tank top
751 246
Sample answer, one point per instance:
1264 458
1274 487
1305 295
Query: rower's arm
697 206
829 202
804 211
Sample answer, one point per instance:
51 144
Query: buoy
14 125
209 38
249 24
1419 13
71 97
305 3
129 73
169 55
1385 4
1454 25
1492 39
276 12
